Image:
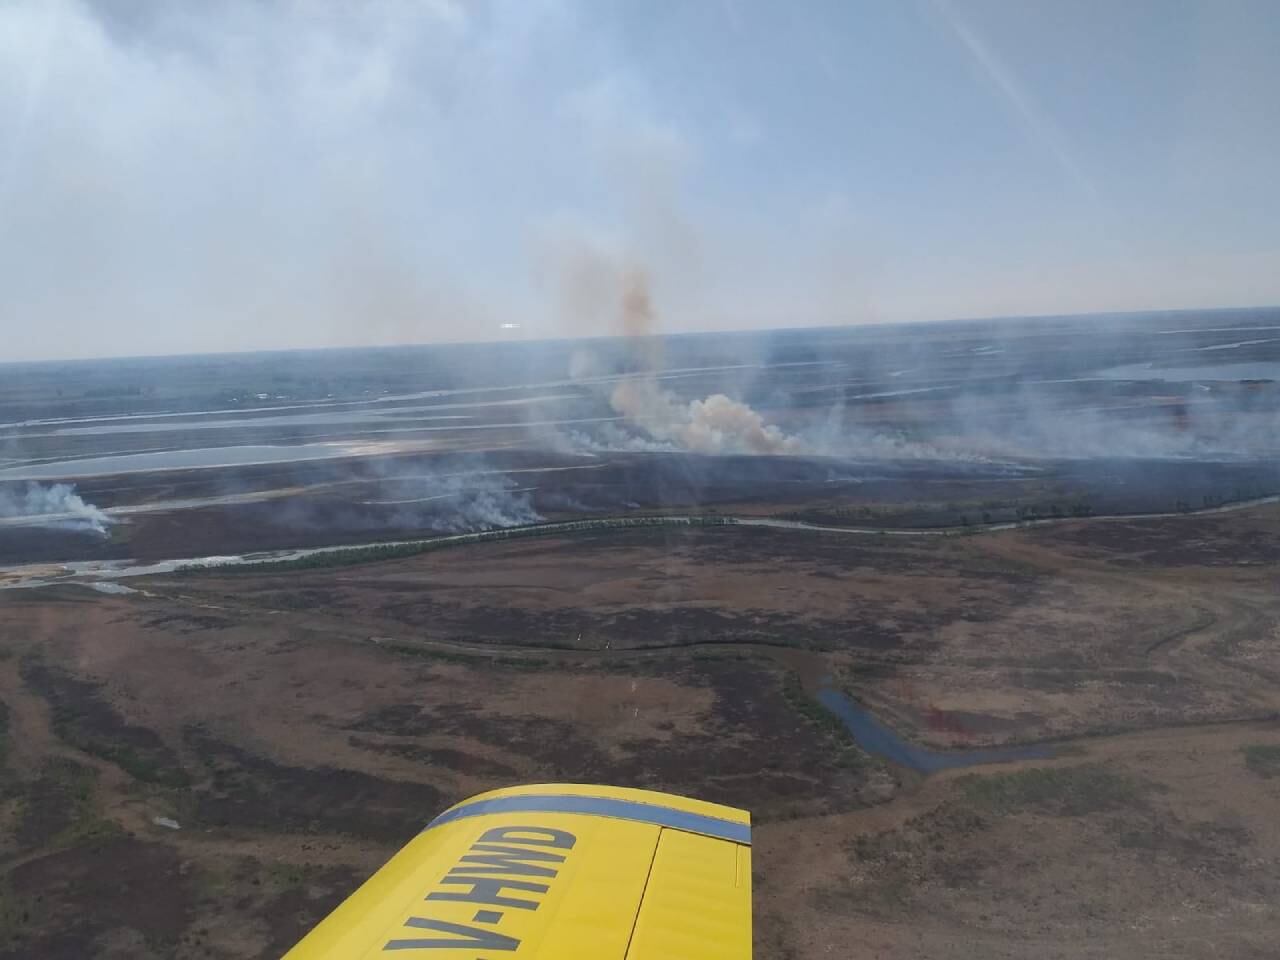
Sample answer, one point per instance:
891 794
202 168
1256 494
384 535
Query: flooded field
960 425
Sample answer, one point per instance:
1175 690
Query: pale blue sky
240 175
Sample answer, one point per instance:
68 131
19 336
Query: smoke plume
57 505
479 503
715 424
474 498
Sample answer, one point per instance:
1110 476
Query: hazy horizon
622 335
305 174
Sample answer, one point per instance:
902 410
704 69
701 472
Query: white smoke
716 424
488 505
457 502
57 505
583 365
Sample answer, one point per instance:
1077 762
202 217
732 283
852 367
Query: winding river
88 571
879 740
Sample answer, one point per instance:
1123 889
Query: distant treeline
395 551
899 516
938 514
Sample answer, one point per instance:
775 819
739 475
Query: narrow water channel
878 739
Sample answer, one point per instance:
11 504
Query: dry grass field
298 726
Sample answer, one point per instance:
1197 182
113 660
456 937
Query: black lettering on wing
463 937
484 890
531 837
491 858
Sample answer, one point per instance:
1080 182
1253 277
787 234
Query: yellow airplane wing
557 872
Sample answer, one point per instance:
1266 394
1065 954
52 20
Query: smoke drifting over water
455 496
459 503
57 505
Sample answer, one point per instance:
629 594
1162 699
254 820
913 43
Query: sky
249 174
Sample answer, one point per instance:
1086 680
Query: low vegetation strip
83 718
1263 759
1059 791
828 725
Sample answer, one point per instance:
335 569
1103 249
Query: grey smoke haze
181 177
1204 428
53 505
456 497
459 503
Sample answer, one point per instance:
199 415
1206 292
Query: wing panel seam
635 921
